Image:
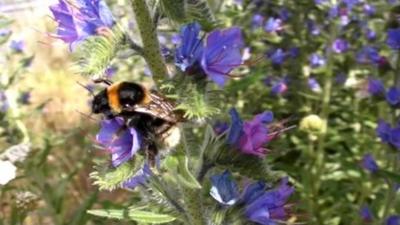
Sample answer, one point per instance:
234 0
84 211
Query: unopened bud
312 123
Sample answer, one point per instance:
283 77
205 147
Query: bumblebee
150 113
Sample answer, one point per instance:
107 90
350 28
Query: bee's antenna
102 80
88 89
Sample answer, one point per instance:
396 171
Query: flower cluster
388 134
78 22
261 205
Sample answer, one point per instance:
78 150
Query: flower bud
312 123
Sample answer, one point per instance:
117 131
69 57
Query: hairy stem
151 47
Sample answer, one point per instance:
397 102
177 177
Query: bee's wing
159 107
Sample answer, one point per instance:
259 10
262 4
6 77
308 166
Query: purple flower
255 135
393 38
341 78
139 178
224 189
393 96
257 21
284 14
25 98
277 57
368 55
252 135
4 105
17 45
76 23
191 48
222 54
220 127
313 28
316 60
366 214
387 134
270 207
340 46
370 34
280 87
369 9
253 191
122 142
314 85
111 71
273 25
393 220
374 87
368 162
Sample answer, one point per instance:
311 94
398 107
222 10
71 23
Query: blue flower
340 46
222 54
220 127
122 142
317 60
314 85
366 214
370 34
139 178
368 55
387 134
270 207
17 45
277 57
313 28
280 87
257 21
76 23
393 220
368 162
369 9
236 128
191 48
253 191
375 86
273 25
224 189
393 96
393 38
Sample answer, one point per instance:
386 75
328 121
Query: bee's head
100 103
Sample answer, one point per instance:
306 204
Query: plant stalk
151 46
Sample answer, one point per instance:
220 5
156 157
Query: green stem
151 46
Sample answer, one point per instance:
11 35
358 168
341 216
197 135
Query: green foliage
133 214
110 179
174 9
95 54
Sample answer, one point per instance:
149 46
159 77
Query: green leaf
174 9
390 175
199 10
133 214
110 179
184 174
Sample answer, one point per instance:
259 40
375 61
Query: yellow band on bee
113 97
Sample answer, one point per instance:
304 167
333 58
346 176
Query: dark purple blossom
393 220
284 14
220 127
139 178
279 87
122 142
253 191
341 78
313 27
366 214
369 9
368 162
191 48
270 207
317 60
25 98
340 46
372 87
224 189
273 25
17 45
393 38
76 23
222 54
370 34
